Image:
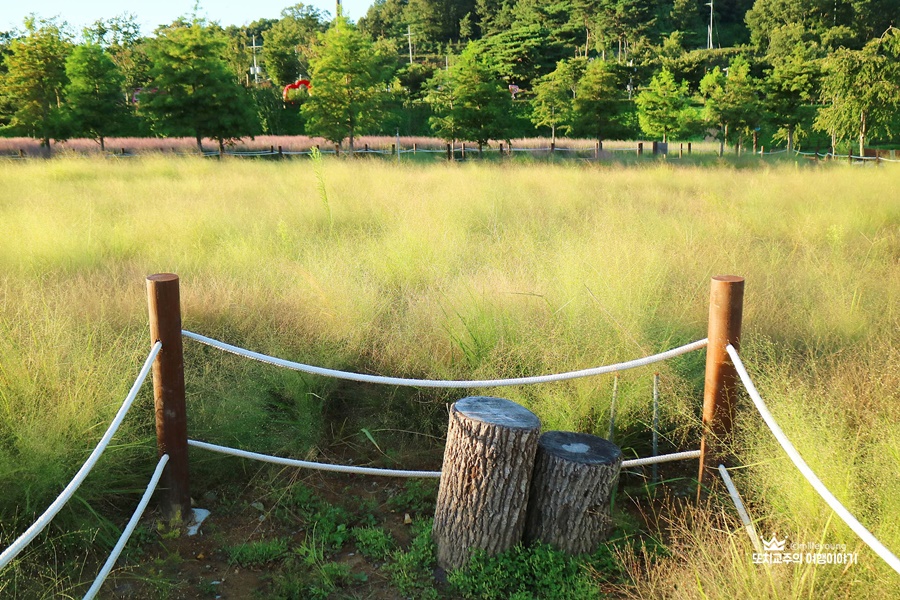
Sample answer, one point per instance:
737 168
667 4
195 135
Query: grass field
457 271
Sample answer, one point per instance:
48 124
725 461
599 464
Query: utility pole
409 40
709 36
255 69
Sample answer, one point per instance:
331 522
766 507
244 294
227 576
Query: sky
150 13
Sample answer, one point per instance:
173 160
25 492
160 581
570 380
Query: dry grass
469 271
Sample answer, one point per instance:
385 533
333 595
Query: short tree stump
488 461
571 491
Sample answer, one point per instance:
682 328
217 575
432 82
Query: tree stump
571 489
488 461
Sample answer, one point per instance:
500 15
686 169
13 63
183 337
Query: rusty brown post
726 305
164 305
640 149
689 148
449 152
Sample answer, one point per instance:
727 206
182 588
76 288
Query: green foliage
193 92
286 44
348 78
257 554
861 86
553 104
373 542
731 102
94 98
664 108
411 571
469 101
35 78
598 102
417 496
538 572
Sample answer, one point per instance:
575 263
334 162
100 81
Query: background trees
349 76
598 68
35 78
96 106
192 90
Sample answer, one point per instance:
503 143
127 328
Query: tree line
783 72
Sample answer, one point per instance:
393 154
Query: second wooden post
726 307
164 302
488 459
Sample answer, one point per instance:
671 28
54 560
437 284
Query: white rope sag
129 529
739 505
804 469
290 462
652 460
437 383
44 520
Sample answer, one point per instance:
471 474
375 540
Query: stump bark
571 490
488 461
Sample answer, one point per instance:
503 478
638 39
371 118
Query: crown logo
773 545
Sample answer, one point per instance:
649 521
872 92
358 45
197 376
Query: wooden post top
582 448
497 411
162 277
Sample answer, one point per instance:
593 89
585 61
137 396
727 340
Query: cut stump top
497 411
582 448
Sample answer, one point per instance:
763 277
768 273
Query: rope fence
805 470
32 532
436 383
724 330
129 529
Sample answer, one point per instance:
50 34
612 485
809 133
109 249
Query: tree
553 104
192 90
731 102
789 88
94 100
470 102
864 89
36 76
286 43
598 101
349 76
664 108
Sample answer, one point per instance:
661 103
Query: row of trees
506 75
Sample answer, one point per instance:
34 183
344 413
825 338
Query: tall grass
460 271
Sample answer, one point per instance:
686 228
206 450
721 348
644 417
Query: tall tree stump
488 460
571 491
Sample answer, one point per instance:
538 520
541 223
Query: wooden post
123 151
689 148
501 149
449 152
337 149
415 147
552 147
280 152
463 150
488 460
640 150
168 392
366 146
681 150
597 150
394 149
726 306
571 491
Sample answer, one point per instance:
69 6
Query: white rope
804 469
739 505
129 529
44 520
290 462
435 383
652 460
